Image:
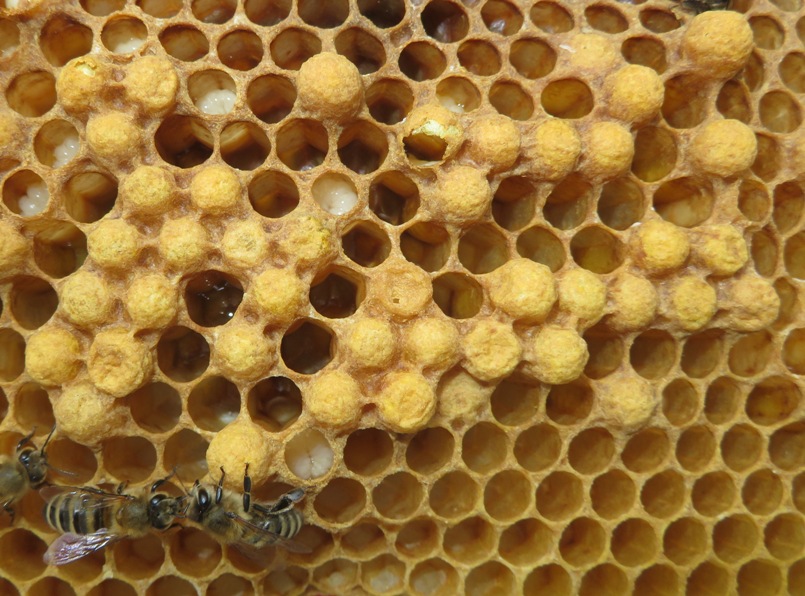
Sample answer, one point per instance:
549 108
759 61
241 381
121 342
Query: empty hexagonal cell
787 446
341 501
458 94
362 49
32 408
710 578
646 450
3 405
652 354
194 552
569 404
680 402
397 496
21 554
479 57
525 542
362 147
421 61
274 403
684 202
768 161
491 577
685 541
389 100
484 447
64 38
417 538
366 244
9 37
393 197
333 575
507 495
368 451
634 542
228 583
713 493
789 204
655 156
559 495
182 354
548 579
308 454
212 91
433 576
129 458
112 587
240 50
160 9
591 450
139 558
267 12
514 403
25 193
597 250
212 297
532 58
32 94
538 447
612 494
383 575
765 252
741 447
271 98
772 400
621 204
470 541
89 196
785 536
567 98
734 538
59 248
184 141
604 579
244 145
458 295
337 293
779 112
64 454
454 495
664 494
12 354
683 107
186 451
606 19
445 21
606 351
695 448
733 101
56 143
702 352
382 13
768 33
214 403
291 579
273 194
509 99
426 244
791 69
513 205
482 249
184 42
762 492
721 400
753 200
213 11
155 407
302 144
307 346
32 301
759 577
645 51
582 542
124 35
363 540
292 47
794 351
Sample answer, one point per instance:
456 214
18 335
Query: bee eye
203 499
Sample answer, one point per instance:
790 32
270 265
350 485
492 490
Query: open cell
582 542
606 19
362 147
470 541
12 354
795 255
383 575
182 354
733 101
567 205
131 459
753 200
139 558
734 538
680 402
212 91
309 455
634 542
542 246
560 495
525 542
762 492
772 400
213 403
532 58
341 501
433 576
244 145
292 47
458 295
683 107
362 49
713 493
606 352
9 37
458 94
779 112
787 446
482 249
538 447
479 57
32 94
664 494
32 301
484 447
445 21
368 451
267 12
509 99
722 400
792 72
88 196
646 450
596 249
32 407
194 552
333 575
63 38
382 13
491 577
56 143
184 42
768 160
551 18
240 50
759 577
155 407
768 33
514 403
701 353
397 496
652 354
454 495
765 252
337 294
655 153
549 579
591 450
212 298
389 100
307 347
21 554
64 454
59 248
290 580
124 35
160 9
501 17
514 203
621 204
429 450
25 193
645 51
271 98
426 244
183 141
366 244
794 351
214 12
364 540
789 205
417 538
785 536
507 495
685 541
709 578
604 579
273 194
274 403
567 98
393 197
612 494
302 144
421 61
695 448
569 404
114 587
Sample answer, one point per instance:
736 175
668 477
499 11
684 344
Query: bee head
162 510
35 465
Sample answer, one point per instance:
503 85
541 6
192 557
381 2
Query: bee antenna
26 439
47 440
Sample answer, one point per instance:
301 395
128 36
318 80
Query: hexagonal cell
613 494
569 404
621 203
733 101
582 542
652 354
302 144
362 147
32 408
762 492
194 552
366 244
186 451
470 541
645 51
384 574
417 538
768 161
368 451
244 145
458 295
567 98
160 9
454 495
787 446
507 495
131 459
334 575
604 579
664 494
63 38
56 143
765 252
597 250
426 244
184 141
709 578
685 541
702 353
482 249
421 61
337 293
683 106
646 450
680 402
274 403
32 301
458 94
389 100
789 205
722 400
479 57
634 542
88 196
548 579
64 454
212 297
791 69
182 354
59 248
695 448
25 193
184 42
213 11
12 354
514 402
779 112
307 346
538 447
267 12
591 450
382 13
21 554
32 94
514 203
393 197
713 493
509 99
124 35
532 58
213 403
491 577
445 21
734 538
240 50
155 407
606 19
559 495
112 587
606 351
139 558
341 501
292 47
290 580
429 450
659 21
397 496
9 37
655 154
551 18
501 17
772 400
433 576
785 536
271 98
525 542
362 49
364 540
273 194
212 91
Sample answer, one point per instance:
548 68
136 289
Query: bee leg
11 513
121 487
162 481
247 490
219 490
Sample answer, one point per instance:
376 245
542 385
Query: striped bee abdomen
76 513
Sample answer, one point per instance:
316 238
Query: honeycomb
512 289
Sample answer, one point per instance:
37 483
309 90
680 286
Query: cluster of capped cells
512 289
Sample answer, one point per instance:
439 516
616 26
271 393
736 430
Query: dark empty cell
768 160
366 244
56 143
161 9
244 145
591 451
753 73
186 452
655 154
792 72
213 403
32 301
271 98
470 541
274 403
695 448
501 17
479 57
567 205
212 298
634 542
273 194
32 94
64 38
393 198
337 294
382 13
129 458
184 42
569 404
685 202
429 450
324 15
794 351
765 252
292 47
645 51
560 495
302 144
702 353
741 447
548 579
362 49
658 21
213 11
652 354
80 461
606 352
582 542
362 147
59 248
421 61
183 141
417 538
685 104
621 204
779 112
551 18
124 35
155 407
426 244
789 205
532 58
32 408
307 347
514 403
646 450
340 501
567 98
733 101
89 196
435 576
445 21
240 50
368 451
680 402
482 249
542 246
596 250
389 100
606 19
721 400
514 203
182 354
267 12
459 296
787 447
509 99
458 94
772 401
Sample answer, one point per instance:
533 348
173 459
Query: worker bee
700 6
27 470
91 519
245 524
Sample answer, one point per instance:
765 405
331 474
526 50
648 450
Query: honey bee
91 519
240 522
700 6
27 470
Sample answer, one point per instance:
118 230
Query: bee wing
71 547
273 537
